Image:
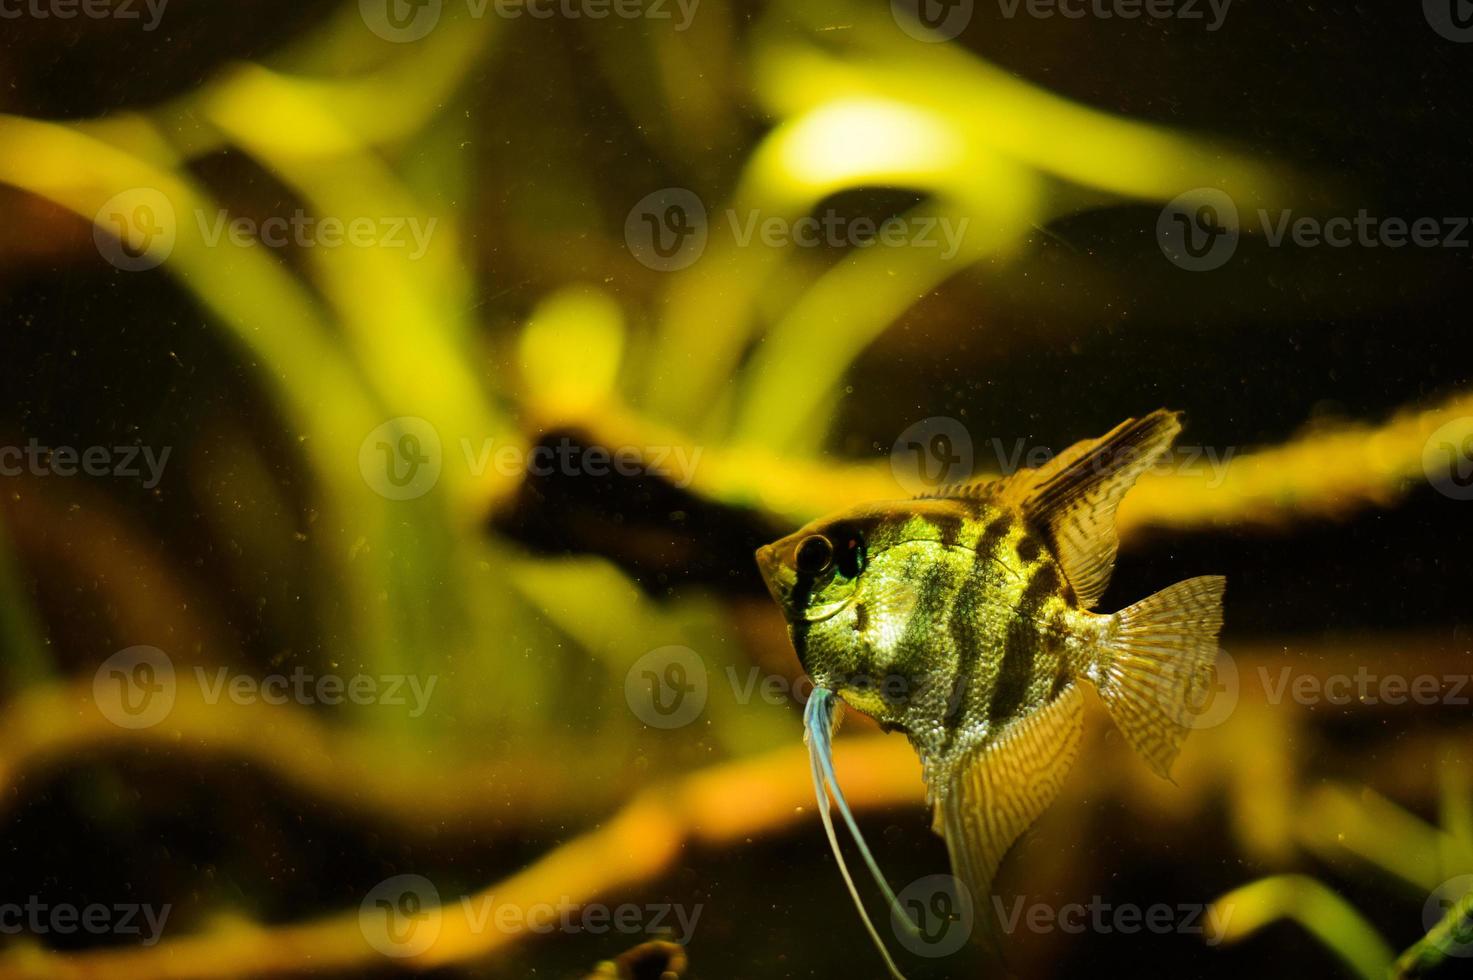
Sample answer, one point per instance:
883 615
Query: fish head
815 572
849 586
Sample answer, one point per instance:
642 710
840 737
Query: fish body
963 625
966 621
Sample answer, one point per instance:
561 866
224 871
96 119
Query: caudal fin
1158 666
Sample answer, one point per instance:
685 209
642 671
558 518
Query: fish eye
850 555
814 554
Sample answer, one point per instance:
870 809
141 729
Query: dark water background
1087 327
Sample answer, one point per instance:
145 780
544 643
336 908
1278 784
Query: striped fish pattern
966 622
971 628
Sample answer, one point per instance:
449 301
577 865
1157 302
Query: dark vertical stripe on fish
1028 548
1020 647
963 629
950 526
802 589
992 537
934 598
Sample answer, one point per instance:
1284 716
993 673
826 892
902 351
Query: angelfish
964 620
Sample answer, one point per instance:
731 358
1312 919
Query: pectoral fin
1003 787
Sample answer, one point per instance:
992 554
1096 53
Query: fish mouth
771 567
781 580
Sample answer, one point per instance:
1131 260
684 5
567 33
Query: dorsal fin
1072 498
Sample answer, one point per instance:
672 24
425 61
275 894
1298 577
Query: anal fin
1001 789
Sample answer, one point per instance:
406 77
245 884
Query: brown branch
715 807
642 840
